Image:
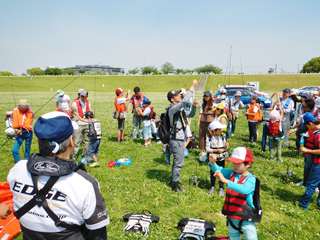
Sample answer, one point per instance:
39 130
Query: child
242 203
313 124
94 135
146 115
120 104
216 144
275 132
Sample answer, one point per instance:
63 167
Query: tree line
312 66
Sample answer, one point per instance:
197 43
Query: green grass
160 83
145 183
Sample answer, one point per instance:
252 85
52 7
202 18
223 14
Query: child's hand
303 150
220 176
226 145
212 159
220 150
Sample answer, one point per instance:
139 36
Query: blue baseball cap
286 90
145 101
308 117
54 126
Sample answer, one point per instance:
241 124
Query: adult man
235 104
177 118
81 106
22 119
287 106
136 102
222 98
69 203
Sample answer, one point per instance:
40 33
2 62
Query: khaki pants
81 135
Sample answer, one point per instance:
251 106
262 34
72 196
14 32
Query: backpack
164 128
193 144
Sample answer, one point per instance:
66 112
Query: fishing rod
94 96
55 95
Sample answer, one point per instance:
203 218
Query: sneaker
299 183
181 185
232 134
176 188
254 143
279 161
159 142
123 141
211 191
317 190
221 192
95 164
144 145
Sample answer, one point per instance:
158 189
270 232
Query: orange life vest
136 101
274 129
80 108
22 119
9 227
120 107
257 116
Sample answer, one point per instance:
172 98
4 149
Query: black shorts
121 124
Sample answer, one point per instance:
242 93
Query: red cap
240 155
119 90
111 164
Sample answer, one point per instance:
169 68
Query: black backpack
164 128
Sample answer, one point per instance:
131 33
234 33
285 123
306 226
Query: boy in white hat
217 144
242 204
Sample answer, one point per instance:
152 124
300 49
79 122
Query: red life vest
310 142
274 129
236 207
120 107
316 158
80 108
136 101
147 117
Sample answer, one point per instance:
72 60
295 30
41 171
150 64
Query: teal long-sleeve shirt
247 188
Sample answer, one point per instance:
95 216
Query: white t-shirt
147 113
64 102
84 110
120 101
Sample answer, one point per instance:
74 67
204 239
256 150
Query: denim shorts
94 147
147 132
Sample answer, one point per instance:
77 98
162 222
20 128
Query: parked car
252 88
308 89
245 95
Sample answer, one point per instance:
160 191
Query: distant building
95 68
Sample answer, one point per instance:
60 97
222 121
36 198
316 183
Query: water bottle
301 140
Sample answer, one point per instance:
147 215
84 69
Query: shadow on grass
161 160
163 176
113 139
287 196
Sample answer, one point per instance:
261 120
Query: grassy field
145 183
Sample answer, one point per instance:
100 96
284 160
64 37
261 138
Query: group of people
81 211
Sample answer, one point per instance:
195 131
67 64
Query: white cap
216 125
223 91
183 91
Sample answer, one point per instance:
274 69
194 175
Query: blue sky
188 34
